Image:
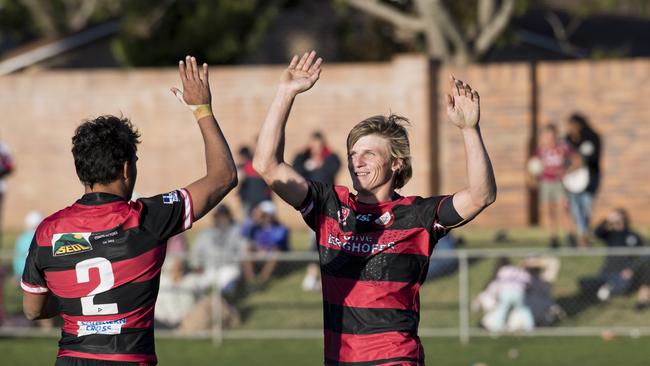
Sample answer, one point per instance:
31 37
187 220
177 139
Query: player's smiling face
371 168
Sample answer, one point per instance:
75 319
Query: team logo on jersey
170 198
385 219
70 243
364 217
343 214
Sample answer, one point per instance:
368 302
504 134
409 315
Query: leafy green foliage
215 31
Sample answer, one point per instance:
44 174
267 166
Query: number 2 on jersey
106 281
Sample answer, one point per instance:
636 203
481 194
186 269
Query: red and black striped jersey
101 258
373 259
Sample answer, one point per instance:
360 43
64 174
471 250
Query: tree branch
388 14
561 32
485 12
436 43
78 13
41 13
450 29
489 33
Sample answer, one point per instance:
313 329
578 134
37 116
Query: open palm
463 104
302 73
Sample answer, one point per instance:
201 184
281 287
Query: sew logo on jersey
100 327
364 217
70 243
170 198
385 219
343 214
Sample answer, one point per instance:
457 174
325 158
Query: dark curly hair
101 146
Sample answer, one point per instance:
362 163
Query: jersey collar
99 198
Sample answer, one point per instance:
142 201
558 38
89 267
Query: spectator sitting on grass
502 300
184 303
265 234
217 250
617 273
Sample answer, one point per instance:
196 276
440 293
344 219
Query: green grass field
439 351
282 305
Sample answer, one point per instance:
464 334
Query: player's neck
384 194
116 187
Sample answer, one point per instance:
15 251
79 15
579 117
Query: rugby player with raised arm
374 244
97 262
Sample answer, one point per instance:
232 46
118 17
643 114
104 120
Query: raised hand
302 73
196 86
463 107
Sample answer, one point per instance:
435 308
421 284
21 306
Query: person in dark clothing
617 273
252 188
317 163
586 142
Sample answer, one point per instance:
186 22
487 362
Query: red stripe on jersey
138 269
138 318
410 241
108 356
370 347
80 218
369 294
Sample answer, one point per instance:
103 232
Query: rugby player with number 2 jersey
374 244
97 262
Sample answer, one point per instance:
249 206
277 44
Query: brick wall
41 109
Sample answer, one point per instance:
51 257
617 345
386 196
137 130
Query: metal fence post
217 306
463 296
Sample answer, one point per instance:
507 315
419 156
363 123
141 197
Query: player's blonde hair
392 129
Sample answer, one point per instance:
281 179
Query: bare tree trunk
437 47
485 12
453 33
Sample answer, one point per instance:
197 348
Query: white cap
33 219
267 207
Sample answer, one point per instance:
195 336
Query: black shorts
73 361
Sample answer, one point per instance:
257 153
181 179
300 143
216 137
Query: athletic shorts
73 361
551 191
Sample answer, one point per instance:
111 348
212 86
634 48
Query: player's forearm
269 152
221 172
37 307
482 184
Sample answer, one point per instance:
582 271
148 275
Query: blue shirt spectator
24 240
264 231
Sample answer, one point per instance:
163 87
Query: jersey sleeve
169 214
33 280
317 198
438 214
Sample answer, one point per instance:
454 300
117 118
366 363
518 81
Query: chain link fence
470 293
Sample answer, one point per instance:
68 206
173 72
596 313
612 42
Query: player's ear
126 172
396 165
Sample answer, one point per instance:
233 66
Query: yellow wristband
202 110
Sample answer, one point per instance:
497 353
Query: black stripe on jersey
330 362
378 267
129 341
133 243
128 297
349 320
406 217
